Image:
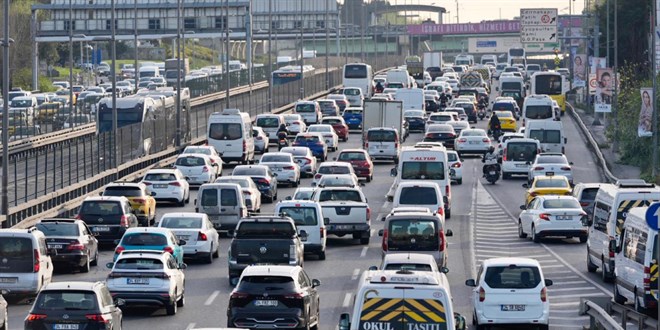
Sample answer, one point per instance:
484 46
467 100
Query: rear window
160 177
305 107
193 150
228 197
265 229
331 121
101 208
418 267
123 191
334 170
58 229
551 183
348 156
18 252
340 195
418 196
303 195
190 161
209 197
181 222
452 157
139 264
249 171
268 122
240 182
225 131
302 216
307 139
503 106
275 159
561 204
512 277
473 133
521 152
266 284
538 111
403 232
441 117
144 239
589 194
546 136
551 160
66 300
381 136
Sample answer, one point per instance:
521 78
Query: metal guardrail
602 309
593 145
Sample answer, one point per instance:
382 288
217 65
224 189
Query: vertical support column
35 51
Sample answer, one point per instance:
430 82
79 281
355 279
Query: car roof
550 177
408 258
511 261
154 254
342 164
125 184
153 230
272 270
61 220
263 167
105 199
419 184
183 214
72 285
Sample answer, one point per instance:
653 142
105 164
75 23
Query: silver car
472 141
283 166
295 124
305 159
261 139
551 164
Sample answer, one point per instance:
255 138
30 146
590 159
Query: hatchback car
294 123
553 216
329 135
332 168
472 141
303 193
270 123
328 107
263 177
353 117
510 291
305 159
550 164
283 166
197 168
147 277
315 142
153 238
292 301
339 125
108 217
586 195
360 160
143 204
547 185
261 139
443 133
75 305
462 116
340 99
202 240
76 245
459 126
416 120
167 185
251 193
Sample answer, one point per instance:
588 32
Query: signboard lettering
424 158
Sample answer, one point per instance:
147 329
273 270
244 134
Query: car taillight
566 168
504 155
544 216
486 140
441 240
36 317
239 295
295 295
308 160
263 181
396 144
212 161
289 168
295 123
368 213
202 237
482 294
247 193
147 183
322 232
647 280
36 266
119 249
318 176
463 140
533 194
441 210
428 135
538 168
259 138
123 221
205 169
75 246
168 249
584 204
78 217
544 295
366 144
100 318
448 191
457 164
176 183
384 244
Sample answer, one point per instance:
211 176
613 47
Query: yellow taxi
547 185
142 203
507 120
46 112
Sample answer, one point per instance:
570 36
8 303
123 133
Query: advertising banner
645 127
579 70
604 89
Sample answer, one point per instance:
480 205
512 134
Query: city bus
289 73
550 83
516 56
359 75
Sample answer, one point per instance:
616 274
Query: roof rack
633 183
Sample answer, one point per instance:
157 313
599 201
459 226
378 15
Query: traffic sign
652 215
538 25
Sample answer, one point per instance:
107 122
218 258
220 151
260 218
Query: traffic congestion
435 195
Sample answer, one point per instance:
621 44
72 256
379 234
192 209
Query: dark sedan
416 120
74 242
441 133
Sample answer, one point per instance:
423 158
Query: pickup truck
346 211
264 240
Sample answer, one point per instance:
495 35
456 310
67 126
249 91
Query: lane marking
571 296
572 303
211 298
191 326
364 251
356 273
347 300
571 289
569 282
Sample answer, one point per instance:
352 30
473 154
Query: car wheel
535 237
544 326
364 240
618 298
590 265
321 255
521 233
459 181
396 160
95 262
584 239
606 276
448 213
296 184
182 301
369 178
216 254
171 309
85 268
180 203
209 258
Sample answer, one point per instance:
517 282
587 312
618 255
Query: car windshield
181 222
348 156
101 208
551 160
302 216
138 264
160 177
340 195
249 171
190 161
141 239
414 170
303 195
417 267
561 204
250 229
589 194
334 170
418 196
275 159
123 191
413 235
512 277
551 183
58 229
66 300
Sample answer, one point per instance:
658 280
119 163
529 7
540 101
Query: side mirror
373 268
344 321
381 232
152 194
326 221
362 184
449 233
195 202
471 283
116 242
394 172
187 178
274 174
256 161
548 282
288 198
565 140
459 322
523 207
570 163
182 242
120 302
524 185
316 283
183 266
444 270
255 134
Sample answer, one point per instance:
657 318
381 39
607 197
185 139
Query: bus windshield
548 84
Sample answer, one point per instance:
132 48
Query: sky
479 10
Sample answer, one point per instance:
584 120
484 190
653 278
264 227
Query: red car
339 125
361 161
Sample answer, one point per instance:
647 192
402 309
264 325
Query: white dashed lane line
347 300
211 298
364 252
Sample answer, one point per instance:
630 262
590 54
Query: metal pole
227 77
113 79
270 55
327 45
71 109
362 31
179 74
615 143
302 51
654 161
135 44
82 59
5 115
596 47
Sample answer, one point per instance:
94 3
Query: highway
483 222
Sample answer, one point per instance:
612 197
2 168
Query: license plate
564 217
65 326
549 173
266 303
183 237
100 228
54 246
137 281
474 142
513 308
491 172
520 165
8 279
343 227
160 186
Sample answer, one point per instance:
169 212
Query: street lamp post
327 45
302 52
70 63
227 76
270 55
135 44
5 43
113 79
177 138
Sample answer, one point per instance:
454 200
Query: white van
230 133
413 99
424 163
270 123
517 156
549 133
308 216
636 263
310 111
148 72
612 204
419 194
538 107
398 78
223 203
403 299
26 265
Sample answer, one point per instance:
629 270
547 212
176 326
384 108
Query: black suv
107 216
75 305
281 297
74 242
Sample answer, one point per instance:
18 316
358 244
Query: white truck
345 211
383 114
413 99
432 59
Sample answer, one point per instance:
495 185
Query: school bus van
636 263
401 300
611 208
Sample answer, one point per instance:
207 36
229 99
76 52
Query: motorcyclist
494 123
282 129
489 159
443 99
379 87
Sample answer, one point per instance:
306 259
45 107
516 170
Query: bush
23 79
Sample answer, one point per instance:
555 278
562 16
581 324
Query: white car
303 193
167 185
251 192
550 164
510 291
305 159
202 240
329 134
338 180
472 141
197 168
283 166
456 166
433 93
333 168
261 139
295 124
552 215
459 125
503 138
214 156
439 118
148 277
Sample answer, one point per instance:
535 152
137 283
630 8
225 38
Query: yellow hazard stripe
436 305
654 272
623 205
417 306
416 316
379 309
370 302
389 316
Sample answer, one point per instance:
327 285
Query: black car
431 106
279 297
441 133
263 177
416 120
75 305
107 216
74 242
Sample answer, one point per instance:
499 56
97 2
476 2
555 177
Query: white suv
25 266
148 277
167 185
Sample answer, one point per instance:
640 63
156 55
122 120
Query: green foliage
23 78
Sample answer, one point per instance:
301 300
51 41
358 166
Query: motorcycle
496 132
481 114
282 140
492 173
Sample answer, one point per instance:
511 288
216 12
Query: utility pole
302 53
5 114
71 109
179 74
596 47
654 76
615 108
135 44
270 55
227 76
327 45
113 79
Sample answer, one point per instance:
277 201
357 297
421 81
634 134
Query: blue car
151 238
315 142
353 118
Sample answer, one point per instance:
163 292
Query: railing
602 312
